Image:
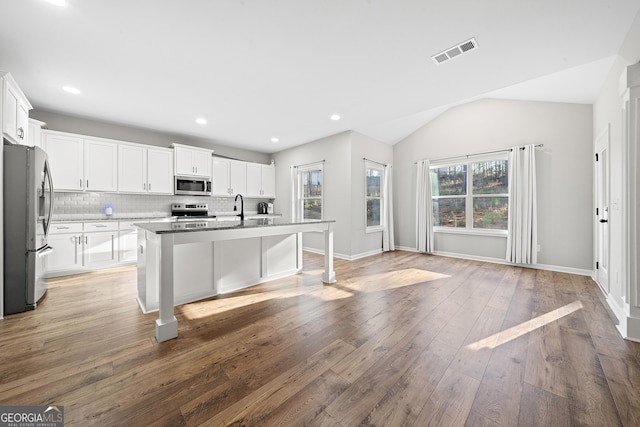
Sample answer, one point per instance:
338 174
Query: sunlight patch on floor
202 309
391 280
343 289
510 334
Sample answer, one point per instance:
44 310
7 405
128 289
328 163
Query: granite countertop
146 216
212 224
103 217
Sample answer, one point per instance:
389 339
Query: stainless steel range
200 210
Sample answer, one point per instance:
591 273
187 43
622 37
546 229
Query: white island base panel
205 259
204 270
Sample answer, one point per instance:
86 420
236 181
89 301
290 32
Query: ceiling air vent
454 51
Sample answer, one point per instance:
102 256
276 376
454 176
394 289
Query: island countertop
195 225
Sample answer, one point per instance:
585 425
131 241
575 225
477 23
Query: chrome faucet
235 207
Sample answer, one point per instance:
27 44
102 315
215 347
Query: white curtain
387 233
424 209
295 195
522 240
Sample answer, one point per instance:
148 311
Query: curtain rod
377 163
478 154
307 164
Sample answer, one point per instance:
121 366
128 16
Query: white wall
364 146
343 188
564 183
336 152
607 110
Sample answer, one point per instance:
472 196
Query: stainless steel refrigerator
28 208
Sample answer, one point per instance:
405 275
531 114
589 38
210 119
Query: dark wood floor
401 339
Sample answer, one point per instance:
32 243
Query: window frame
470 196
374 166
301 198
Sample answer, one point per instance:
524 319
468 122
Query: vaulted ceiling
262 69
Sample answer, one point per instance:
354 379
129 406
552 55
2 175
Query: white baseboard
406 249
559 269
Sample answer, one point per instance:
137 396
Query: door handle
602 221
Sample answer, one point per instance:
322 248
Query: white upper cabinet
100 165
159 171
269 181
81 164
229 177
145 170
65 153
238 178
261 181
192 161
132 168
220 177
15 111
35 133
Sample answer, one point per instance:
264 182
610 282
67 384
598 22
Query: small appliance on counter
270 208
263 208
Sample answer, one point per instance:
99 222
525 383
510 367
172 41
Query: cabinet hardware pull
86 240
80 183
87 183
100 225
61 227
149 186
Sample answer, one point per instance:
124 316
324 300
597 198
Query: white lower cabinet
79 247
100 249
66 254
127 242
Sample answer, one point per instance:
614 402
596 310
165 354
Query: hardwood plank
546 366
472 357
306 407
252 409
451 401
588 393
623 378
541 408
402 404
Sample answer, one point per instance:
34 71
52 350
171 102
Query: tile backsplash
93 205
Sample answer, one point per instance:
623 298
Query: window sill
471 232
373 229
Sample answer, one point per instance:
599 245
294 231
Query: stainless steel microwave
192 185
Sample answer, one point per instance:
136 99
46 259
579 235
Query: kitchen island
184 261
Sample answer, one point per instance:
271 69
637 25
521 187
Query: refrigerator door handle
44 251
50 216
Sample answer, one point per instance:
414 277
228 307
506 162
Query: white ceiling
257 69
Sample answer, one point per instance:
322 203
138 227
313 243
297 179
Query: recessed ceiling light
60 3
335 117
274 139
201 121
71 89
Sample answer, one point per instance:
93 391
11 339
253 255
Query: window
373 196
311 192
471 195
